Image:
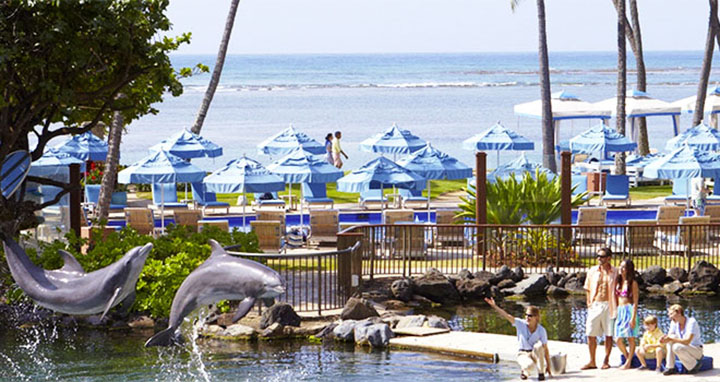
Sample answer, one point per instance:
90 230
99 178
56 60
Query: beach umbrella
187 145
702 137
497 138
243 175
161 167
86 146
640 104
301 166
431 163
54 162
379 173
288 140
518 167
13 171
712 104
393 141
599 140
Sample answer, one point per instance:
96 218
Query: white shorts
599 323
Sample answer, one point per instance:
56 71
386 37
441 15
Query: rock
375 335
344 330
704 277
655 288
395 305
557 291
242 331
565 279
212 330
503 273
281 313
473 289
654 275
309 330
327 332
506 284
483 275
553 278
575 285
358 309
402 289
142 322
679 274
437 322
673 287
273 330
413 321
549 269
518 274
436 287
534 285
465 274
496 293
420 300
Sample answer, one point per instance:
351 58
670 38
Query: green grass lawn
438 187
650 192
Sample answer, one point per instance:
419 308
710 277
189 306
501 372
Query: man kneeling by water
532 340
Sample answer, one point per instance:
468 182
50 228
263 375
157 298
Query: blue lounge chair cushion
412 195
371 196
204 197
680 190
274 201
92 193
315 193
580 183
617 187
164 192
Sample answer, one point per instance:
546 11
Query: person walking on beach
699 195
328 148
532 340
337 150
683 340
650 345
599 286
627 323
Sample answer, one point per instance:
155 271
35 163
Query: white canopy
640 104
712 105
564 106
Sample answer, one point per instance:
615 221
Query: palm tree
548 129
111 166
217 70
621 82
706 65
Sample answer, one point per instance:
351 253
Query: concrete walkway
479 344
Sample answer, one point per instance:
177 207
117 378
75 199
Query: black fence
409 249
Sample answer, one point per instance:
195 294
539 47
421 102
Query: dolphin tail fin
166 337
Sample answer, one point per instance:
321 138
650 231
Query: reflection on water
564 319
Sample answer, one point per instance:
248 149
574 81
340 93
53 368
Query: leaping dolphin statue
70 289
220 277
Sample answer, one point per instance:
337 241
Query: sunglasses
529 315
603 256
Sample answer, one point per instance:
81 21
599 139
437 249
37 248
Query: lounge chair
408 241
669 215
591 216
315 194
413 199
372 198
223 224
640 237
140 219
207 199
272 215
275 202
692 234
617 190
188 218
118 200
680 192
165 196
580 184
449 236
269 233
394 216
713 210
323 226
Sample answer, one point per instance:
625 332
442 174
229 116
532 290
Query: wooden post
75 198
349 265
565 200
480 202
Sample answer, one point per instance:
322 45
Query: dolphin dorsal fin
216 249
71 263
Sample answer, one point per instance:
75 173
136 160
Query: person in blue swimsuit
627 323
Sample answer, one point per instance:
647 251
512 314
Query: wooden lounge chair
617 190
713 210
188 218
408 241
414 199
591 216
372 198
394 216
692 234
323 226
680 192
669 215
140 219
269 233
165 196
315 195
206 199
446 236
272 215
640 237
223 224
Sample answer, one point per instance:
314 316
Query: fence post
480 202
75 198
349 265
688 247
565 196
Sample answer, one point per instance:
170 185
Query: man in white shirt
533 352
683 340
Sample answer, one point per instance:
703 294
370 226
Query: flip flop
605 366
588 367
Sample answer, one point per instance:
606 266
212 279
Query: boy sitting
650 345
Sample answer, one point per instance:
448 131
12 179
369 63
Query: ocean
442 98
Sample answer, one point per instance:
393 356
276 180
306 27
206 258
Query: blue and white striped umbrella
243 175
187 145
684 163
393 141
379 173
518 167
85 146
286 141
13 171
53 163
702 137
497 138
301 166
598 141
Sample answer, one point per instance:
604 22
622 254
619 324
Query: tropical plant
504 201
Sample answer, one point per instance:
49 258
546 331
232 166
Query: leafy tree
62 65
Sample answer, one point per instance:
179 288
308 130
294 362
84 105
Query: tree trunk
636 44
111 165
621 83
699 111
217 70
548 129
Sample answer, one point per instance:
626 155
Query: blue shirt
527 340
691 327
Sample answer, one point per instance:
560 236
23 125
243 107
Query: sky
436 26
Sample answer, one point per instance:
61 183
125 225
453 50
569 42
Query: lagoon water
443 98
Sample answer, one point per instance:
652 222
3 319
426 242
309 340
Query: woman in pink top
627 323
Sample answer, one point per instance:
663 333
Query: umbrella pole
497 162
162 208
302 230
428 188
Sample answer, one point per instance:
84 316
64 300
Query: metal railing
314 282
409 249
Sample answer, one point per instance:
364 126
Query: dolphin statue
220 277
70 289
